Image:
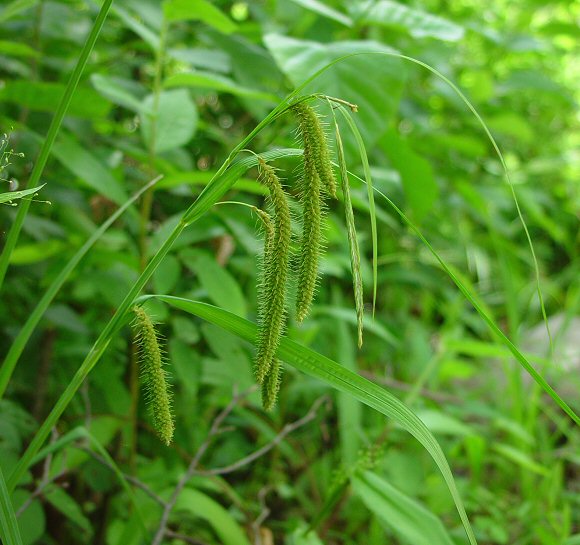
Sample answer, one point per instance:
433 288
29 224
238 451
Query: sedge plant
319 178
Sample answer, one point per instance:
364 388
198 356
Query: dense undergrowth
170 90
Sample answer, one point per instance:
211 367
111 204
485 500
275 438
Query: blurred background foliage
170 89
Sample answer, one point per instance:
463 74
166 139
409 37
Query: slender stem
51 136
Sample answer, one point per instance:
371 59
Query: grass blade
519 356
371 195
351 233
8 522
405 516
316 365
19 343
14 195
51 135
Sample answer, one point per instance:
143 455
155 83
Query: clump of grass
154 377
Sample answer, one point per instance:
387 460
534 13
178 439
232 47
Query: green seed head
272 288
271 385
317 173
154 377
316 147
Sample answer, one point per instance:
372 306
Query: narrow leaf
352 238
324 10
405 516
369 182
15 195
8 522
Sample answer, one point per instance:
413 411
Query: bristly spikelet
310 120
268 226
271 385
311 200
310 246
154 377
272 292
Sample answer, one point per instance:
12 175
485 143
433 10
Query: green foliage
101 97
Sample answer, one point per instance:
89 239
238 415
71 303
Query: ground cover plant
376 198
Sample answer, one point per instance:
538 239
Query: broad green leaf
137 26
252 66
15 195
15 7
304 536
207 80
511 124
407 518
324 10
204 507
45 97
174 122
17 49
35 252
232 366
417 23
221 286
64 503
83 164
119 92
520 458
532 80
444 424
202 58
421 190
167 275
198 10
8 523
32 522
316 365
377 97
